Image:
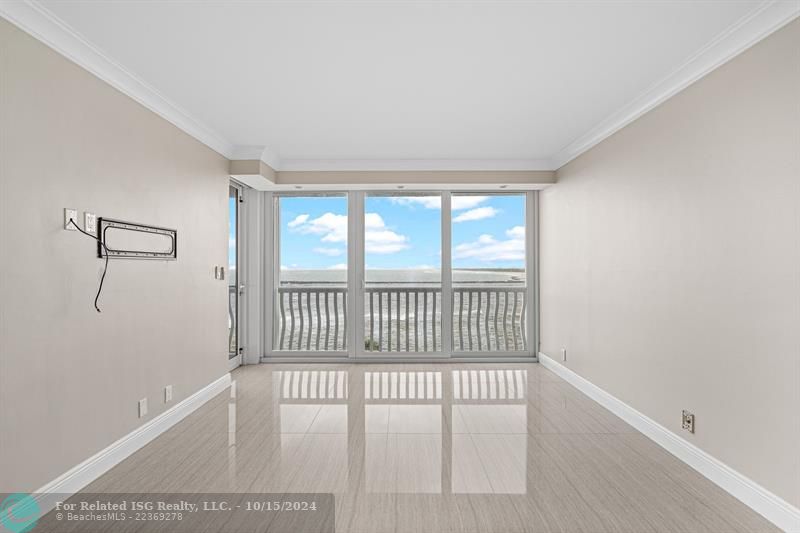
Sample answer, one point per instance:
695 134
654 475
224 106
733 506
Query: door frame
358 351
236 360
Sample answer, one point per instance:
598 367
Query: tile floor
433 448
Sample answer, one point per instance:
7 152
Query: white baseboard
95 466
772 507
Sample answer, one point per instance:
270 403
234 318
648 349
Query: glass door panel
233 271
403 275
489 273
311 293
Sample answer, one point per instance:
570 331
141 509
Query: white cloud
517 232
332 228
378 239
330 252
429 202
300 219
373 221
488 249
435 202
384 242
338 266
479 213
466 202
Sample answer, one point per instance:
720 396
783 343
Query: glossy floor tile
440 448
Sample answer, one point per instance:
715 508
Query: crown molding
247 153
260 153
414 165
765 19
42 24
270 158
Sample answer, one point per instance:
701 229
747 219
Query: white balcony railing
393 317
489 319
312 318
403 319
232 314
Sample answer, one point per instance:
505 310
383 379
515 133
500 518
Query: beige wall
70 378
670 263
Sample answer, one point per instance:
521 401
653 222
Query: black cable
105 268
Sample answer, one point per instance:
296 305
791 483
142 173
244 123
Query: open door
235 287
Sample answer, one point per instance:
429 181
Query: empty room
400 266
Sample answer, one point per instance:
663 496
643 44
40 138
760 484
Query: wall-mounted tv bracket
120 252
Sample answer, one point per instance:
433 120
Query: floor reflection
398 432
489 425
310 417
431 448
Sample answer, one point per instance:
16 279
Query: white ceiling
514 83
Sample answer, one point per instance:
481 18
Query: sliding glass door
403 274
311 295
382 275
489 252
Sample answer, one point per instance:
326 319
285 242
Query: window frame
356 280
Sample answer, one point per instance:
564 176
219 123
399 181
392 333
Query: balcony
403 318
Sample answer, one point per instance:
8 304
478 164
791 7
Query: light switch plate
168 393
70 213
90 223
142 407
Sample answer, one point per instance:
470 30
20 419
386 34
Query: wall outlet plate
142 407
687 421
90 223
70 213
168 393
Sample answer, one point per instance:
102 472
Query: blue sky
231 232
404 232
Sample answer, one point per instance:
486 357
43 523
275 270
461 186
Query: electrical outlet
687 421
168 393
563 354
90 223
142 407
70 214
